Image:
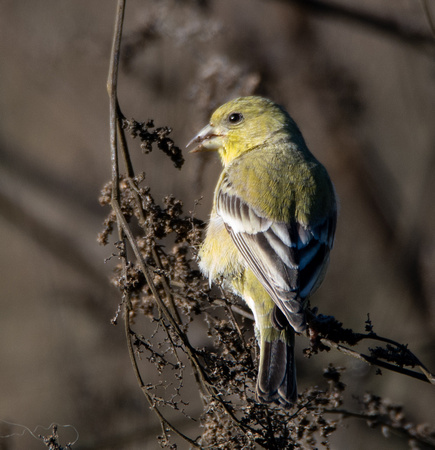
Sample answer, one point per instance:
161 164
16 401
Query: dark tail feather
277 372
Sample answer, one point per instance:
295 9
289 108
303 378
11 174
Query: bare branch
389 27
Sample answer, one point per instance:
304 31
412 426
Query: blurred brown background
363 94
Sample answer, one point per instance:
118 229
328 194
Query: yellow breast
219 256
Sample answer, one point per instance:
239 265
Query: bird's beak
209 139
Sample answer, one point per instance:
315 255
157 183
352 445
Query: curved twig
377 362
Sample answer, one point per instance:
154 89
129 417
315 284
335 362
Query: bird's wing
289 259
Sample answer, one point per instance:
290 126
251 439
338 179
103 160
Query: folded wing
289 259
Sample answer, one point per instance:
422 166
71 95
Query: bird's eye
235 118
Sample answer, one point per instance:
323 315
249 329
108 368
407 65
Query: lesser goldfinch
271 228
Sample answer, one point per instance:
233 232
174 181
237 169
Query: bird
271 229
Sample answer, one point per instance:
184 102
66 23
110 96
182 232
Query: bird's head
241 125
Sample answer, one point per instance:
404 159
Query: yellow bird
271 228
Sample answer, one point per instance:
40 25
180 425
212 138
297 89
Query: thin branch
375 361
428 15
389 27
237 309
329 332
407 431
112 87
129 166
163 420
